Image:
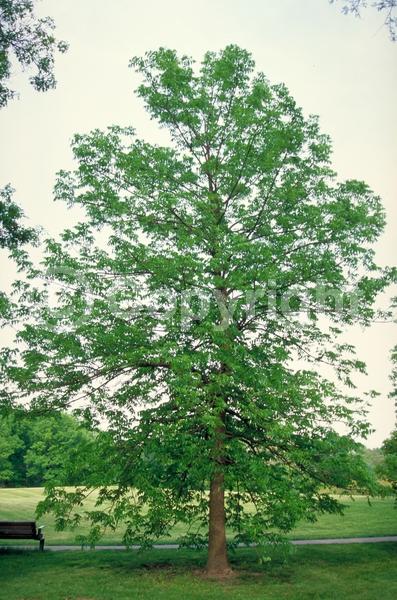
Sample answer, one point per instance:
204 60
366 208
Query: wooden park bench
21 530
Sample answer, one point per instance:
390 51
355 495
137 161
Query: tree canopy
193 308
31 41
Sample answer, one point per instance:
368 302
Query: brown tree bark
217 563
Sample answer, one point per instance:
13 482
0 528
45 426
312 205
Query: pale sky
339 67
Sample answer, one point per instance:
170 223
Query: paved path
352 540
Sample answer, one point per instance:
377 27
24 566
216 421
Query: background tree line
58 448
35 451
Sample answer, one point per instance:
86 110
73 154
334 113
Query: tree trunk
217 563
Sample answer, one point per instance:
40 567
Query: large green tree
196 321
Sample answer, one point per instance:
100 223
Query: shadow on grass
177 561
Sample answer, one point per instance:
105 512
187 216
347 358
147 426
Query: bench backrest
23 529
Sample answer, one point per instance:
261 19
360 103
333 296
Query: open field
360 519
368 572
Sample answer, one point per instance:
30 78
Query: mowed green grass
365 571
360 519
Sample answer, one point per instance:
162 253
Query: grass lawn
365 571
360 519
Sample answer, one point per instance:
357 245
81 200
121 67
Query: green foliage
196 332
388 469
10 444
31 41
39 450
12 233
